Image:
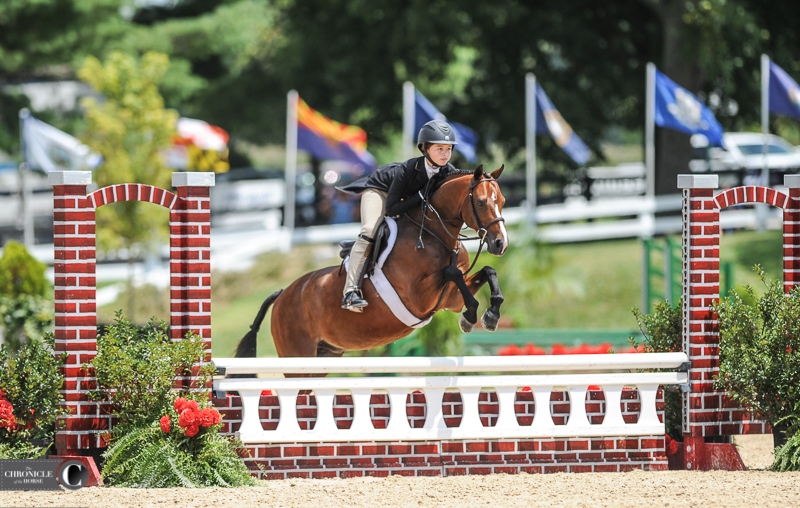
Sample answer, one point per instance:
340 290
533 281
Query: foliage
21 273
760 352
130 129
30 380
26 304
787 456
663 333
442 336
181 449
136 369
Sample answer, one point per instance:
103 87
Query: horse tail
247 346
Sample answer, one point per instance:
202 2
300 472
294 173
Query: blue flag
784 93
424 112
678 109
328 139
549 121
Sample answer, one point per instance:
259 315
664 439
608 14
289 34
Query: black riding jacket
401 181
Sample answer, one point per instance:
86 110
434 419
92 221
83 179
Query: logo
42 474
687 110
447 138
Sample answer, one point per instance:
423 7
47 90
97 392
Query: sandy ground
755 487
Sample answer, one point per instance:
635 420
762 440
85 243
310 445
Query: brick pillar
700 241
190 257
791 234
75 310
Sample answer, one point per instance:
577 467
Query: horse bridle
482 228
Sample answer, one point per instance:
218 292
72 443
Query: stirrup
354 301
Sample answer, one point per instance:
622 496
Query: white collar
430 169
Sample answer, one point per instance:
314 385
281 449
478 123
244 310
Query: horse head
486 202
475 199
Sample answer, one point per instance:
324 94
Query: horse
427 268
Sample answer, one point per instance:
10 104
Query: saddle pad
385 288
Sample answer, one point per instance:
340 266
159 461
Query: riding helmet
436 132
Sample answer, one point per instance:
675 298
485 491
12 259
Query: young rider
392 190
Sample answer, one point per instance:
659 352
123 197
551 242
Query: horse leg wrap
470 316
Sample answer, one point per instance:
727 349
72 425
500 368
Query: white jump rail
535 372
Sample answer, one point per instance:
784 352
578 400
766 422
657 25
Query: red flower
671 445
7 415
209 417
164 421
181 404
187 418
192 430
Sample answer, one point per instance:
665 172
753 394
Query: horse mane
453 175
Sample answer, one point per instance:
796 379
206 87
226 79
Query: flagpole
762 209
25 188
408 120
291 162
530 148
650 130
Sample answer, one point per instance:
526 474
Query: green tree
26 305
130 128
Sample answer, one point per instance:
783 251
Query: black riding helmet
435 132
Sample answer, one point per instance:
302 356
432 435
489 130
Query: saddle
381 242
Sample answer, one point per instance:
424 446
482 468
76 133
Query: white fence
542 374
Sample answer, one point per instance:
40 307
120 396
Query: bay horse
307 319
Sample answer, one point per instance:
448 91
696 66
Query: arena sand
754 487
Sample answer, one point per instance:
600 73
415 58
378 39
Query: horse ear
478 172
497 172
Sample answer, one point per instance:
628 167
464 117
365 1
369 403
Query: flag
678 109
549 121
198 146
784 93
48 149
424 112
328 139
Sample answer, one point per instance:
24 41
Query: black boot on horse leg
469 318
492 315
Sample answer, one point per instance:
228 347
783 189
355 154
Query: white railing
585 371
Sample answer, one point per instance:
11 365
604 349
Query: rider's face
440 154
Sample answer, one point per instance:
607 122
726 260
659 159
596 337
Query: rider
392 190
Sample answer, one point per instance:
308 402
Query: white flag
49 149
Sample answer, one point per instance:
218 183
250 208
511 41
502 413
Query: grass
579 286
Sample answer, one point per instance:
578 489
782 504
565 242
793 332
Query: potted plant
760 358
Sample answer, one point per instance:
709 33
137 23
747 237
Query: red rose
164 421
188 417
209 417
192 430
672 448
7 415
180 404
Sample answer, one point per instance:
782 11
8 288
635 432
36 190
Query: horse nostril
498 243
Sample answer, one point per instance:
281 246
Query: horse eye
481 203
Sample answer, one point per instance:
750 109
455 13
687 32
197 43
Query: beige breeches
373 209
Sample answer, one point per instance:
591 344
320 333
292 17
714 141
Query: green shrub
182 449
760 352
787 456
30 379
26 302
137 368
663 333
164 437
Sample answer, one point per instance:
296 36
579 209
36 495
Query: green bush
137 367
164 437
760 352
663 333
30 380
26 303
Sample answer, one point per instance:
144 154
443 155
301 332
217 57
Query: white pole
291 161
25 188
762 208
650 130
530 148
409 120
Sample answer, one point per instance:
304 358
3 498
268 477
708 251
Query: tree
130 128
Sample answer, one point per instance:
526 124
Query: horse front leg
470 316
491 317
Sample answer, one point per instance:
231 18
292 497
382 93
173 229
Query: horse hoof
489 321
466 326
